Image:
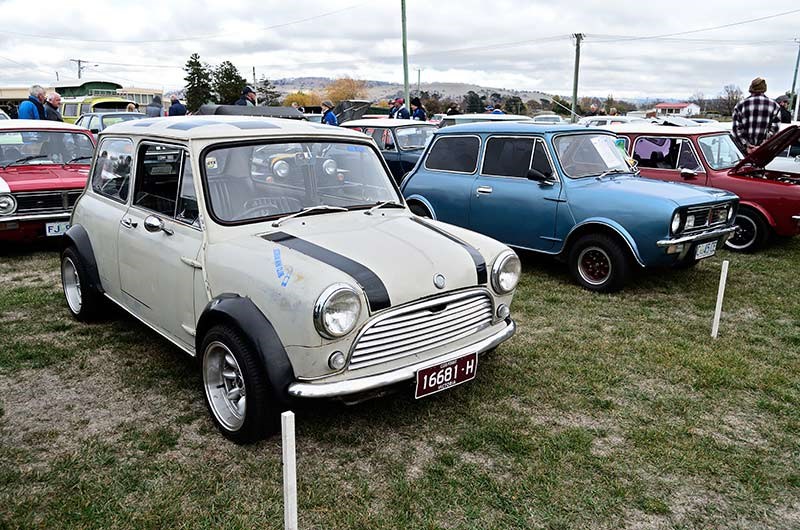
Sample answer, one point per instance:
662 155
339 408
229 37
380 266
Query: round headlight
336 311
329 166
8 204
281 168
505 272
676 222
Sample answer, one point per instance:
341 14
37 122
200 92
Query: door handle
483 190
127 222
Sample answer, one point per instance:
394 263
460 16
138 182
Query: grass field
610 411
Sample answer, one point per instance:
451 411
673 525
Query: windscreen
44 147
720 151
414 137
589 155
248 183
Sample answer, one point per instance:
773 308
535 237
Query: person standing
417 110
33 107
131 107
248 98
786 114
452 110
155 109
400 110
51 106
328 116
756 118
592 110
176 108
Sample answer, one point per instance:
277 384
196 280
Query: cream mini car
317 282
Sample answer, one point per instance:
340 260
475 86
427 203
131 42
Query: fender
757 207
424 201
614 226
78 237
251 322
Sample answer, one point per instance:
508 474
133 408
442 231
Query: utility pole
794 80
80 67
419 70
405 56
578 39
255 85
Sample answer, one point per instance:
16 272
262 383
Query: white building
677 109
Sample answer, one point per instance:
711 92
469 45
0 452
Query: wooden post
723 278
289 472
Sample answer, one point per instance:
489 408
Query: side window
94 123
86 108
70 109
652 152
382 137
508 157
686 156
187 211
158 172
454 153
81 122
541 162
111 173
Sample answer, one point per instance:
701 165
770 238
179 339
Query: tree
346 88
198 83
698 98
228 83
730 97
267 94
304 99
473 103
514 105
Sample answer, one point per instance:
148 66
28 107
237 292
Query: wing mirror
535 174
154 224
94 131
688 174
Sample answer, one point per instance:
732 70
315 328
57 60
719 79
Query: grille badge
439 281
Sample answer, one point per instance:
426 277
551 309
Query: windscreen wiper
78 158
24 159
308 211
384 204
611 172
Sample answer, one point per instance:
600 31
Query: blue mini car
570 192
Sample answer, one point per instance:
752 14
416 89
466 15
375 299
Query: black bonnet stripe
377 295
480 263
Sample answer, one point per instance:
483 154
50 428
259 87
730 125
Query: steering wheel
254 211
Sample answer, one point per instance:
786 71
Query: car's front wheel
237 390
599 263
84 302
751 232
419 209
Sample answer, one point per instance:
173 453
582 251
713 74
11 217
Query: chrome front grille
46 201
422 327
704 217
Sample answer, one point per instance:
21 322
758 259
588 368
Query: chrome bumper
708 234
370 382
796 218
35 217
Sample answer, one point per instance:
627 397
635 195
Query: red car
43 170
708 156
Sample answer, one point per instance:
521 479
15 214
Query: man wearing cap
328 116
786 114
400 110
756 118
248 98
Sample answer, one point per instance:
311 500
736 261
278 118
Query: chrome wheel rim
745 234
72 285
224 385
594 265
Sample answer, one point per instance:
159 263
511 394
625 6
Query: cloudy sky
632 49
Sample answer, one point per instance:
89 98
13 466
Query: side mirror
154 224
535 174
94 131
688 174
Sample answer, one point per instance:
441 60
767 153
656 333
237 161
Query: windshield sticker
606 150
356 148
211 162
284 275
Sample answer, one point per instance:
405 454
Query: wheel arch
419 199
601 226
243 315
77 236
757 208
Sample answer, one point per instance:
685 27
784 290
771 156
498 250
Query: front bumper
796 218
683 244
56 216
405 373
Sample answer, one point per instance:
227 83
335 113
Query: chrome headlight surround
330 167
281 168
336 311
677 222
8 204
506 272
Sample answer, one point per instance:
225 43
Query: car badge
439 281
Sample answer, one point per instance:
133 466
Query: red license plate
440 377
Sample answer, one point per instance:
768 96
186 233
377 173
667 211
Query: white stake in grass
289 472
723 278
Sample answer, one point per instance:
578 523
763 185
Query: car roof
512 127
215 126
384 122
112 113
7 125
488 116
664 130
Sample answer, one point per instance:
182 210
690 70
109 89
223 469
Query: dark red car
708 156
43 170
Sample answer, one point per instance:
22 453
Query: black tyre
599 263
751 232
420 210
84 303
237 390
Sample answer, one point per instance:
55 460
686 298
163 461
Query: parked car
460 119
97 121
601 121
43 168
401 142
548 118
282 292
73 108
788 160
567 191
436 119
708 156
3 115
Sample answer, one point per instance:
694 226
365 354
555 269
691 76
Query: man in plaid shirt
756 118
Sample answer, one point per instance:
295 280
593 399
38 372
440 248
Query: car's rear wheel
599 263
237 390
84 302
751 232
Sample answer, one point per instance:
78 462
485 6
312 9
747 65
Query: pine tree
267 93
198 83
228 83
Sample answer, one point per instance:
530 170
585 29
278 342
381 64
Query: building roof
673 105
385 122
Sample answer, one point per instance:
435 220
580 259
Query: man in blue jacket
33 107
328 116
176 108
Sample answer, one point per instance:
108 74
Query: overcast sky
515 44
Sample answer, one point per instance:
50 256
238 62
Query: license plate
705 250
56 229
440 377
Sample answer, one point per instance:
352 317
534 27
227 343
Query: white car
310 281
602 121
551 119
3 115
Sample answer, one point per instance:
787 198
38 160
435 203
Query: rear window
454 153
71 109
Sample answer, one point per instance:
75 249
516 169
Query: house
677 109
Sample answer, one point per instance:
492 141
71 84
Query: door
160 240
668 158
510 204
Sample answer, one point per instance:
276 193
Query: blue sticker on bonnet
282 273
